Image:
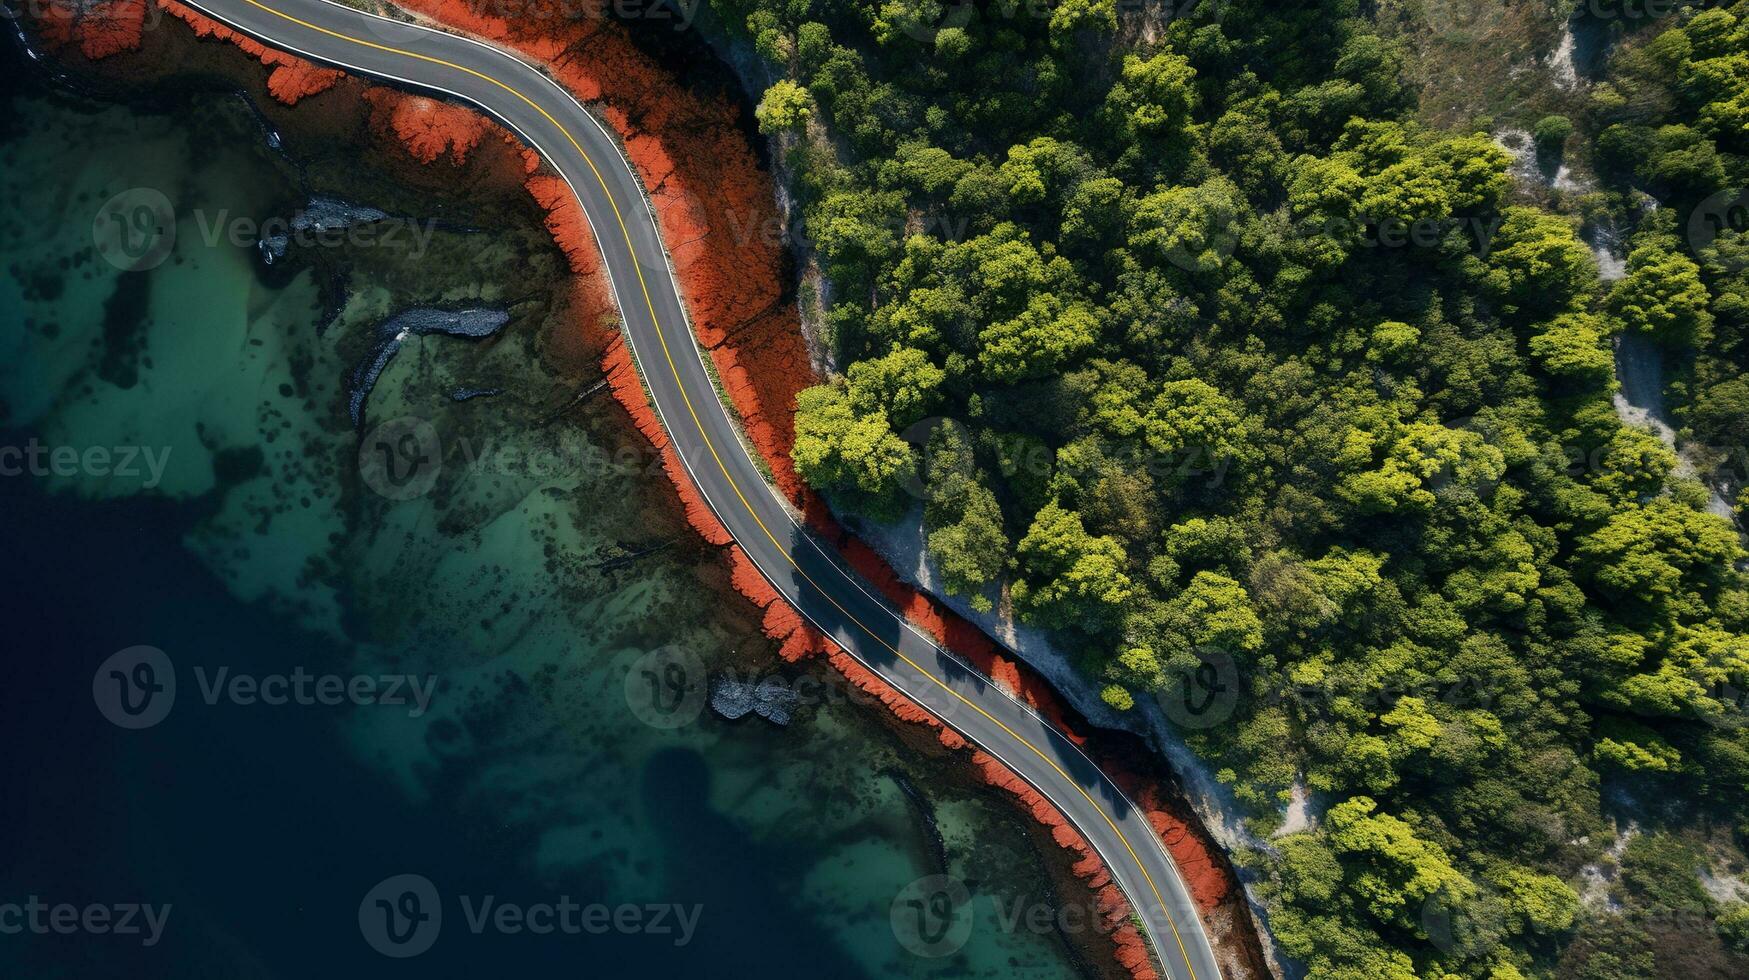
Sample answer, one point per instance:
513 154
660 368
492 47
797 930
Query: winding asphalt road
837 601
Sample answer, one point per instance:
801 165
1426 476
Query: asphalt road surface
835 599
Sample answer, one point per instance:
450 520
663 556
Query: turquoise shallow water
245 536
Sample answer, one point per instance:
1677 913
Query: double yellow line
709 444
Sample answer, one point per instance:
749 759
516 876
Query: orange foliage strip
292 79
763 366
717 211
1132 952
98 29
872 683
796 637
958 635
566 222
622 379
1197 858
426 127
799 639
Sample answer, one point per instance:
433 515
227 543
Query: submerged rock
469 394
392 332
333 214
273 247
770 698
321 216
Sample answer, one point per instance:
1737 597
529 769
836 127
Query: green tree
856 233
1070 577
903 385
1721 414
1193 228
1392 341
1037 341
1573 345
1541 903
1214 610
1155 95
1192 416
1631 746
1117 696
1550 134
1070 16
1390 869
1733 921
1662 872
1662 295
1648 552
785 106
962 516
1418 458
858 455
1537 262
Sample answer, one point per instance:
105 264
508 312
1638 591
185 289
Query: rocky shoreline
474 324
770 698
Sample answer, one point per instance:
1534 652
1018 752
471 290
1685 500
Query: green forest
1195 342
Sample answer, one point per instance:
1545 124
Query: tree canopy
1236 354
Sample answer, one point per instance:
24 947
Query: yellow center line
711 445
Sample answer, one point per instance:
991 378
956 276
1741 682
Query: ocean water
178 472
